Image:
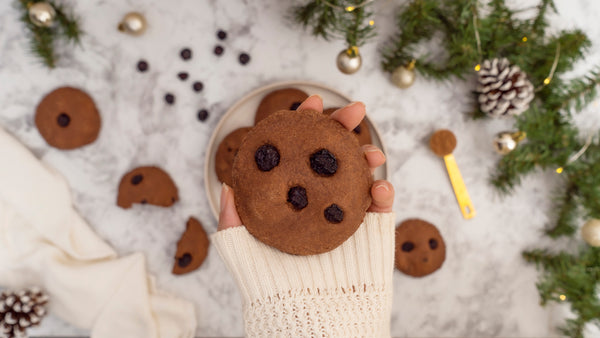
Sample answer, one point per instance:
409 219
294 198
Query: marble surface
483 289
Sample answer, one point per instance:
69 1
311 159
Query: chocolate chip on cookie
147 185
226 152
192 248
282 99
362 131
301 181
67 118
420 248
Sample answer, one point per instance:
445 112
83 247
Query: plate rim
251 94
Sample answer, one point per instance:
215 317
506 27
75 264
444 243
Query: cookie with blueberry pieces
147 185
420 248
302 182
362 131
67 118
192 248
282 99
226 152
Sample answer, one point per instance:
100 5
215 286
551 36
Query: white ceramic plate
241 114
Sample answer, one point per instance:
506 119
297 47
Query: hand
349 116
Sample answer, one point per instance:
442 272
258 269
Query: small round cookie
362 132
226 152
420 248
67 118
147 185
302 183
192 248
282 99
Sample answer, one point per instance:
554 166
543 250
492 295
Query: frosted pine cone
503 89
20 310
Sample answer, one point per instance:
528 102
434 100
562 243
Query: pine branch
579 93
567 212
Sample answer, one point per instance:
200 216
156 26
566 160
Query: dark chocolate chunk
202 115
408 246
297 197
266 157
137 179
357 129
184 260
219 50
433 244
186 54
63 120
221 34
244 58
182 76
295 105
198 86
142 66
334 214
170 98
323 162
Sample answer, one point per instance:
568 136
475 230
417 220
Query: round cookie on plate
362 132
68 118
302 182
282 99
226 152
420 248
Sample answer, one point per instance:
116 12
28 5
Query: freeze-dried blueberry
266 157
323 162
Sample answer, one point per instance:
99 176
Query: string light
477 67
524 39
350 8
562 297
559 170
578 154
548 79
371 23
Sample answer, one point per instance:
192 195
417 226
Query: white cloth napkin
44 242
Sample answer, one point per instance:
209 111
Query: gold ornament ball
42 14
504 143
404 76
348 63
133 23
591 232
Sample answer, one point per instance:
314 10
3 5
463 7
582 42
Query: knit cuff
365 260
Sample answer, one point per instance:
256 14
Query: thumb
228 217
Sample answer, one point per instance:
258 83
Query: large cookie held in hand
192 248
282 99
149 185
67 118
226 152
302 182
420 248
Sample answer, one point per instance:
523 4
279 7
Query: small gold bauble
404 76
349 61
133 23
42 14
507 141
591 232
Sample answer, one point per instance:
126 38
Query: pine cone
20 310
503 89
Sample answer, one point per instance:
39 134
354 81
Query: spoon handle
460 191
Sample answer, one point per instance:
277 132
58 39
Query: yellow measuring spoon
442 143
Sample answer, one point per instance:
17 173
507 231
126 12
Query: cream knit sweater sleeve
346 292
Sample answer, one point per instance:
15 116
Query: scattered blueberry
63 120
170 98
198 86
182 76
219 50
186 54
142 66
244 58
221 34
203 115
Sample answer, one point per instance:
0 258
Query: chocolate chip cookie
67 118
420 248
147 185
282 99
226 152
192 248
301 181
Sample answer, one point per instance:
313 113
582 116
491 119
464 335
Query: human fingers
350 115
374 155
228 217
382 193
313 102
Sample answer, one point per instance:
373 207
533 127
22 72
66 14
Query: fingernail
382 186
317 95
355 103
371 149
224 190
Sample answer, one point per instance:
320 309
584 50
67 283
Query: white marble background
483 289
